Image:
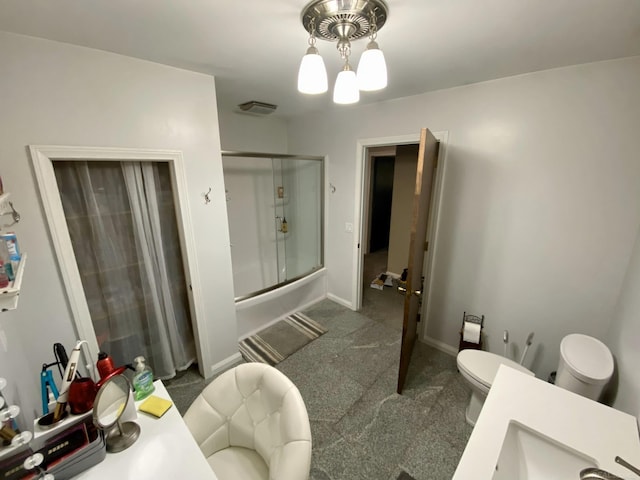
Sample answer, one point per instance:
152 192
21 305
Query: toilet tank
585 367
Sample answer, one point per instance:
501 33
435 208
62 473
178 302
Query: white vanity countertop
164 450
589 427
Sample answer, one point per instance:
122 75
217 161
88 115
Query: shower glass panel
275 210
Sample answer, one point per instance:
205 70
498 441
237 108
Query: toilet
585 367
479 368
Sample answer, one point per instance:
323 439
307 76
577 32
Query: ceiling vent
257 108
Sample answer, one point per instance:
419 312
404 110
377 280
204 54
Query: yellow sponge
155 406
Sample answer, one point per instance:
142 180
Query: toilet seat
482 366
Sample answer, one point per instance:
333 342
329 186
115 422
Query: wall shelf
9 295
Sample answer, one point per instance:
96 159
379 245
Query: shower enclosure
275 209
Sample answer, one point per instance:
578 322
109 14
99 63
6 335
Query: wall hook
15 216
206 196
332 188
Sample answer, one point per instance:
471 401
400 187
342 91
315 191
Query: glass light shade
372 69
312 76
346 89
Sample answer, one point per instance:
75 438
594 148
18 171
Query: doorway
391 265
392 172
124 233
43 159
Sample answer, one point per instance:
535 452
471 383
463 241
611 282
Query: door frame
42 157
361 192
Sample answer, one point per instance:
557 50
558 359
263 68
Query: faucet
597 474
626 464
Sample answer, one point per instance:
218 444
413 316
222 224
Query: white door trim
42 157
434 215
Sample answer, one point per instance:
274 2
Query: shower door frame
286 156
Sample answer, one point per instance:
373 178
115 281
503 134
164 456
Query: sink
530 455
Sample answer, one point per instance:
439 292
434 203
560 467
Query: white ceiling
254 47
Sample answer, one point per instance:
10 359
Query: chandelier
344 21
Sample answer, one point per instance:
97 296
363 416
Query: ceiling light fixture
312 76
344 21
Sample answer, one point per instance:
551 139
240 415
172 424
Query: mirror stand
109 406
122 436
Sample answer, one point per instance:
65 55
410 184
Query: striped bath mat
277 342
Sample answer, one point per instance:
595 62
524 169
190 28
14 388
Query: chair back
254 406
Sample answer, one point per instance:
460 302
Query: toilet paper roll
471 332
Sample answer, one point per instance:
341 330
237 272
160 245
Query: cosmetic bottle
105 365
6 260
4 278
142 379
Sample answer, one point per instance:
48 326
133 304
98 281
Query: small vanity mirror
110 403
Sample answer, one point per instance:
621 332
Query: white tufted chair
251 423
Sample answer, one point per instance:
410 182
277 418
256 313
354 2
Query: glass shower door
274 206
302 209
281 224
250 209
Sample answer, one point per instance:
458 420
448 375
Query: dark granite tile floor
386 305
361 428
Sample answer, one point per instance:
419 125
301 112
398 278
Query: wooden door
427 156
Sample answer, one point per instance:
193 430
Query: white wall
623 337
23 379
250 133
540 204
53 93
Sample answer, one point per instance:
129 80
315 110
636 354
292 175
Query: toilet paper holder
473 319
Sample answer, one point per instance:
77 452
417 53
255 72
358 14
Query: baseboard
341 301
443 347
225 364
306 305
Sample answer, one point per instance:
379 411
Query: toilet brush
505 340
526 348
